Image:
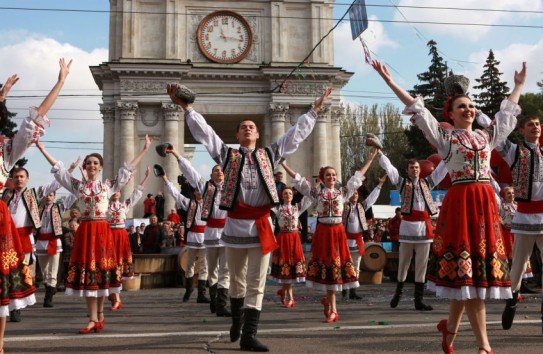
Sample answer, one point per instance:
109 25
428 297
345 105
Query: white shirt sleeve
439 173
372 197
205 135
65 178
28 132
391 171
179 198
134 197
193 177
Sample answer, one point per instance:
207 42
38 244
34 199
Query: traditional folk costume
330 265
194 242
116 215
17 291
526 161
49 245
217 267
469 259
416 232
354 220
288 260
248 194
93 270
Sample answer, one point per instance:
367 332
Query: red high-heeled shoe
117 306
324 302
487 351
333 317
442 327
96 328
291 303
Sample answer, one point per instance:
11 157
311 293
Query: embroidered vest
116 214
468 159
359 214
407 193
4 174
30 201
232 174
522 170
287 218
191 213
210 192
56 218
330 203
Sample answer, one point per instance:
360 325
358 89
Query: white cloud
469 33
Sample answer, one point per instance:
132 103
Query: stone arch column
320 139
172 115
337 115
278 113
128 112
108 116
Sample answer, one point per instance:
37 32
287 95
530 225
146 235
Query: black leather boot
213 298
508 314
222 298
202 299
524 289
419 294
188 289
237 318
49 292
15 316
248 341
353 295
344 294
397 295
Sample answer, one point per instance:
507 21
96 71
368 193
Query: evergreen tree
432 91
492 90
540 85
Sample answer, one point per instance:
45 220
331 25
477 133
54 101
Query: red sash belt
216 223
534 207
417 215
51 245
24 235
359 241
260 215
199 229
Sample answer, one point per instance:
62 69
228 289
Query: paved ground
157 321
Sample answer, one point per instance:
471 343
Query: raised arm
372 197
519 78
148 140
46 154
390 170
52 96
12 80
402 94
193 177
138 192
179 198
373 154
288 170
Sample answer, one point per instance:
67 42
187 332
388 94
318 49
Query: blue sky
32 42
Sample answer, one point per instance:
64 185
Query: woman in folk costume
288 260
18 290
116 215
330 265
354 219
470 263
93 271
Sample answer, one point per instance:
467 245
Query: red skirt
17 289
93 266
288 261
121 243
330 265
468 253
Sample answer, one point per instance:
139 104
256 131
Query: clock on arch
224 37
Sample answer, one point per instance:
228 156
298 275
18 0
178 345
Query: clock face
224 37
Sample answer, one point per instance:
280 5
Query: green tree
540 85
432 91
492 89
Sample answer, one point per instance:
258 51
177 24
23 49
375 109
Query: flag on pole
358 18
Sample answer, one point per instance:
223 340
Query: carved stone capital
171 111
337 114
278 111
128 109
108 112
323 114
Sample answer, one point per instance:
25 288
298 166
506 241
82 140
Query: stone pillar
337 115
172 114
278 113
320 140
128 112
108 115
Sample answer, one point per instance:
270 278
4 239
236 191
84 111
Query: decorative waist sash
261 216
359 241
51 245
417 215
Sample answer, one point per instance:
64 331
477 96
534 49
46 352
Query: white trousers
192 253
49 268
248 270
217 267
422 251
522 250
355 255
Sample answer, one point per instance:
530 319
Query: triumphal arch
237 55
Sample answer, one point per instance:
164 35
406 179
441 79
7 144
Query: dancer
195 234
354 220
215 218
468 232
330 266
116 215
93 271
18 290
526 161
416 232
248 232
288 260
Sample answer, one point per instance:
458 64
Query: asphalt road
156 321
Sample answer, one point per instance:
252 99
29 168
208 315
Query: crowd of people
463 255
